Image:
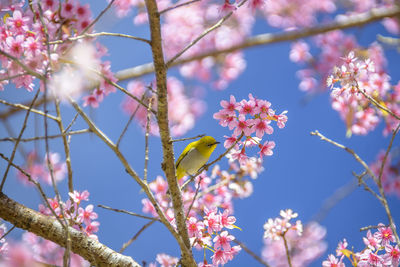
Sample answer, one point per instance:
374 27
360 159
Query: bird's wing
187 149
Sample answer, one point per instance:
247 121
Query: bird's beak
216 143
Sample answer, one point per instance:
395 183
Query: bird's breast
193 161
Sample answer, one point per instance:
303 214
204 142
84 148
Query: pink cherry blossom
223 241
332 262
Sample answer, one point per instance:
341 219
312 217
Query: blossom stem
287 250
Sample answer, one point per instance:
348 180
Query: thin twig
9 231
71 123
201 36
11 139
251 253
129 213
387 154
382 197
349 150
98 34
287 251
366 187
66 147
13 77
66 257
17 141
130 241
194 198
146 140
22 65
24 107
130 171
177 6
187 138
38 186
129 121
377 104
339 194
98 17
372 227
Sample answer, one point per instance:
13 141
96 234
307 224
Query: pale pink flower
262 126
220 257
87 215
243 126
194 227
371 242
384 235
77 196
266 149
166 260
92 227
223 241
18 22
392 256
300 52
332 262
341 246
369 258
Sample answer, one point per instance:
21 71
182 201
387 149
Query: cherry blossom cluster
380 250
183 109
252 118
33 248
297 13
39 170
23 37
209 192
390 178
211 232
80 218
303 249
356 78
276 229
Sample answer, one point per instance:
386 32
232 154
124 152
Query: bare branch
177 6
22 65
24 107
129 212
130 241
98 34
251 253
10 139
201 36
17 141
146 140
98 17
188 138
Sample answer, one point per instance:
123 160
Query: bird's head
206 145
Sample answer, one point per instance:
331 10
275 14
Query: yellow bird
194 156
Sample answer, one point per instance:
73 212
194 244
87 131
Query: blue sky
302 173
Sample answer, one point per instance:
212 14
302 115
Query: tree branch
162 119
47 227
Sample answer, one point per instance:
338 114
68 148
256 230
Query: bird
194 156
